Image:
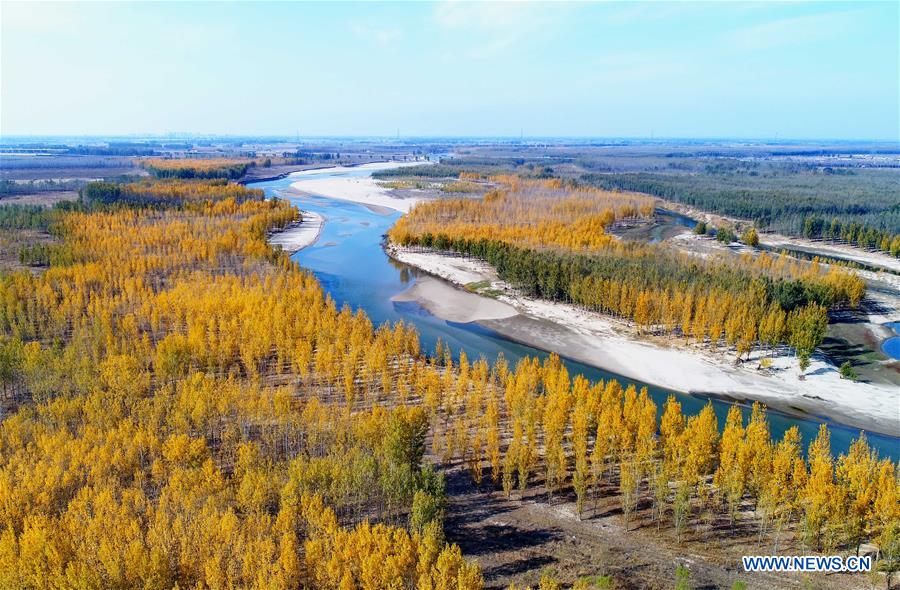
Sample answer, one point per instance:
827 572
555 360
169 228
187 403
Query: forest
856 206
9 187
170 413
229 168
435 171
183 405
550 241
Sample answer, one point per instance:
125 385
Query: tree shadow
519 566
495 538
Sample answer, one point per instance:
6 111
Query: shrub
848 372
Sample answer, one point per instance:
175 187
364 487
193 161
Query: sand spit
358 189
296 236
455 305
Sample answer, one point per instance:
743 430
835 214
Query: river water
350 264
891 346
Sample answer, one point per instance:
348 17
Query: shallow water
891 346
352 267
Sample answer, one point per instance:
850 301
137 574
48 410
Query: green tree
10 361
682 578
848 372
750 237
807 329
725 235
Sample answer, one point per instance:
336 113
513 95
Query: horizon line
518 138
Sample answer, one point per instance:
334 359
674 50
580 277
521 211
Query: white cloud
377 35
638 67
492 28
641 12
791 31
40 18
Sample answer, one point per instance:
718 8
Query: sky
801 70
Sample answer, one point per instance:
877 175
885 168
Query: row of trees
535 426
727 235
857 234
13 187
744 305
169 193
188 168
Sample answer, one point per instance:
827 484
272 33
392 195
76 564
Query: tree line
535 426
858 234
169 193
860 208
187 168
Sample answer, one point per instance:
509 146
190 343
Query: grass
460 187
483 288
599 582
404 184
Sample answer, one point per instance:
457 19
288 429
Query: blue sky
677 69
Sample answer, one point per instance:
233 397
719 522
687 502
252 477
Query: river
350 264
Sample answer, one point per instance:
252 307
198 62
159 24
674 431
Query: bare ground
11 241
46 198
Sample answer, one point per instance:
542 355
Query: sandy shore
297 236
610 345
358 189
780 241
455 305
876 259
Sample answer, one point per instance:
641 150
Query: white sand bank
608 344
297 236
455 305
835 250
780 241
359 189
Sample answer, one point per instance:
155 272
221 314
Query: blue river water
891 346
349 262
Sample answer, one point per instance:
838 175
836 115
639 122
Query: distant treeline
169 194
10 187
113 149
436 171
110 195
188 168
21 162
861 208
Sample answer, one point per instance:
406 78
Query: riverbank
455 305
775 241
612 345
854 336
298 235
358 189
